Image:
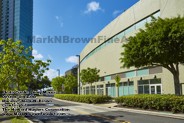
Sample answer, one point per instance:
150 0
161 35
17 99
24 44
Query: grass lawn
19 120
13 119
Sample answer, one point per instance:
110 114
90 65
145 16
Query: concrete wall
107 59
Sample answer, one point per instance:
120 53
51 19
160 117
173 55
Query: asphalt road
83 113
88 113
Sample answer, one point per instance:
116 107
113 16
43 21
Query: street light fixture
78 73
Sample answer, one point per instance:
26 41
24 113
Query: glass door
156 89
152 90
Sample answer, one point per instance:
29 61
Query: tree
117 79
44 82
16 67
70 84
90 75
160 44
57 83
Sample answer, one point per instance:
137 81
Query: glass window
111 40
153 90
142 82
93 90
141 24
140 89
152 86
84 90
100 89
121 35
130 74
146 89
107 78
121 89
149 19
129 30
143 72
125 83
155 81
131 83
158 89
156 15
103 45
87 90
110 90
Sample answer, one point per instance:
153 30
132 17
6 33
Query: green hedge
84 98
154 102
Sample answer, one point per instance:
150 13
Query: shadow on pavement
103 117
75 118
3 119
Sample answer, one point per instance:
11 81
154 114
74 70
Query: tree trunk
177 84
91 89
118 91
174 69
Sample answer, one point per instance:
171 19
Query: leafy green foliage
117 79
70 84
155 102
44 82
57 83
84 98
17 70
160 44
89 75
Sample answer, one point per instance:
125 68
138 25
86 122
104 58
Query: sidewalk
112 106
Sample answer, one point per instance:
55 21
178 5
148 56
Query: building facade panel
105 54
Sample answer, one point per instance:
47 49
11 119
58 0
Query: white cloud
92 7
51 73
72 59
60 21
37 55
116 13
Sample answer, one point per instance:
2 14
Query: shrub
84 98
155 102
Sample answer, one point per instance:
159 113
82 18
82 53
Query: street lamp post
78 73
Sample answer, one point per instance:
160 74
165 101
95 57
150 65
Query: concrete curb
153 113
160 114
85 104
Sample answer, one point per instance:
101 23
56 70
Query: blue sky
73 18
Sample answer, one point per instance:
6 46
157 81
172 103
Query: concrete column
95 89
104 87
116 91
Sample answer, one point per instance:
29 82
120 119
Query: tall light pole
78 74
58 72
